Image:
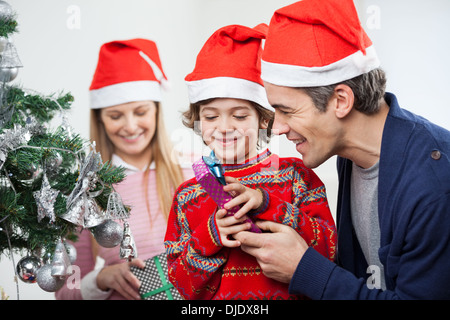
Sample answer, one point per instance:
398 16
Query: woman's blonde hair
168 171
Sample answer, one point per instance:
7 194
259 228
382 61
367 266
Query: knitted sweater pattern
201 268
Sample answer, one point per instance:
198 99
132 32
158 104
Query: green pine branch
43 109
8 26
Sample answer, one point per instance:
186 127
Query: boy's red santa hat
128 70
316 43
228 66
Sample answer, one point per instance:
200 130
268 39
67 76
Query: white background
58 43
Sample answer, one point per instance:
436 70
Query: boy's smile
230 128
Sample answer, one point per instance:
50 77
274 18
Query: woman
127 125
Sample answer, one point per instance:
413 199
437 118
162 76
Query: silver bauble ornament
46 281
8 74
108 234
53 164
5 9
27 268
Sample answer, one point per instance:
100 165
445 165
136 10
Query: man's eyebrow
281 106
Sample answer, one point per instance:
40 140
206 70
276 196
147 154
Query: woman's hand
120 278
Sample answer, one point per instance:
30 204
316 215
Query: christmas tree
52 182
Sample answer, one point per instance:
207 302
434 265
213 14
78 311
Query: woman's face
130 127
230 128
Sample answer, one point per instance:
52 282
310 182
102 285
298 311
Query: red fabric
201 268
312 33
120 61
232 51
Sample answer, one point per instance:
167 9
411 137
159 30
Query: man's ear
344 99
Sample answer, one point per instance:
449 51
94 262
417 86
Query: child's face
230 128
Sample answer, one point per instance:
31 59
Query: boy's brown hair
193 114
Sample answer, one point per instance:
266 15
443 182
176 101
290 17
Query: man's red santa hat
127 71
228 66
316 43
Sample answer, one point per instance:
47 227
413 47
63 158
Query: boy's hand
229 225
252 199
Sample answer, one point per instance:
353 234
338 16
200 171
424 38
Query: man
322 75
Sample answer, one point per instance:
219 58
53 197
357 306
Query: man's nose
279 127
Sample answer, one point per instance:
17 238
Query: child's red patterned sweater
201 268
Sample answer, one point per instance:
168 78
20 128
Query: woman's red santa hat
316 43
128 70
228 66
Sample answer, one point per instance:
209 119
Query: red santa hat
127 71
316 43
229 66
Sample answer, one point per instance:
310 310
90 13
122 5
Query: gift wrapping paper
215 189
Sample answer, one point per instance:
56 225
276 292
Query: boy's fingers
221 213
230 243
230 179
242 211
234 187
242 198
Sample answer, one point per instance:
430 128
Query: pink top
148 231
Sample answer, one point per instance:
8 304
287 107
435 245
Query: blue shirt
414 216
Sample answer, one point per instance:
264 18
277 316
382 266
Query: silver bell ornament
84 212
27 268
93 215
115 209
75 213
108 234
46 281
3 42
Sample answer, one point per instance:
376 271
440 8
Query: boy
228 99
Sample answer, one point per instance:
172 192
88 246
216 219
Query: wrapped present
154 283
210 175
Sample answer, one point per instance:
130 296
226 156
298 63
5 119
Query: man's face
316 134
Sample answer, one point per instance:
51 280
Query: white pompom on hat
316 43
128 70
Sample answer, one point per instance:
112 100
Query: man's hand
278 251
229 225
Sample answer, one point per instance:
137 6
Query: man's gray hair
368 89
